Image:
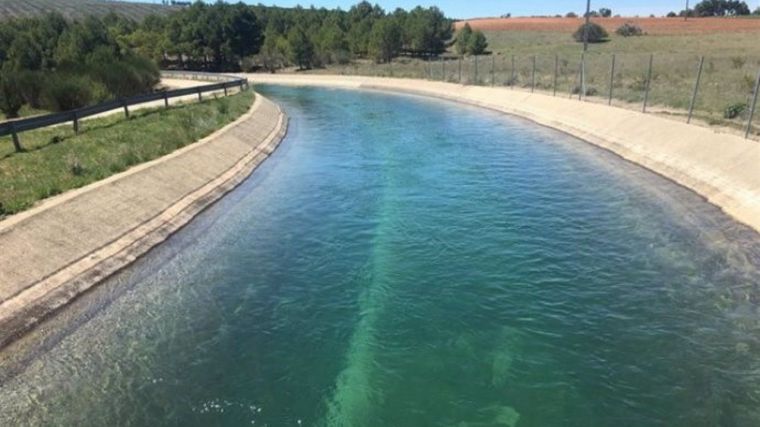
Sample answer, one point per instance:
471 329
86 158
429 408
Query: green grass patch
56 160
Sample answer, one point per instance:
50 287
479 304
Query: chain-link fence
721 90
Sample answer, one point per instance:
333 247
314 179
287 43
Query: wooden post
533 76
696 89
649 84
612 80
752 107
443 69
200 95
166 99
14 137
76 122
126 108
460 70
224 85
556 71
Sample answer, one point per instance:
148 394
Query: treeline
221 37
53 64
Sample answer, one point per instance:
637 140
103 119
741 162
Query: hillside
76 9
653 26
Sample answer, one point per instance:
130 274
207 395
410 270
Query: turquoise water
407 262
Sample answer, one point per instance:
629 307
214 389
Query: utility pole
686 13
585 48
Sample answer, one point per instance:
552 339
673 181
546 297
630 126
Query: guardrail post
166 99
533 76
76 123
649 84
752 107
14 137
200 96
696 89
612 80
126 108
224 85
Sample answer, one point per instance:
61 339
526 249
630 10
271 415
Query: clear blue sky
478 8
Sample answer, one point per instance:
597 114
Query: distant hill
76 9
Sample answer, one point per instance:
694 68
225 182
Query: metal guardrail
226 82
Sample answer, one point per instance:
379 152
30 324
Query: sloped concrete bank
60 249
723 168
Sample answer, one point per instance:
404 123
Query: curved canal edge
721 167
60 249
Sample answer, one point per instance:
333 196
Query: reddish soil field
656 26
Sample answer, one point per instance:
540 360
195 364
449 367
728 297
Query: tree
757 11
477 44
596 33
385 40
571 15
300 48
721 8
605 12
463 39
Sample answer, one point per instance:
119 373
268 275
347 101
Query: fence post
556 71
476 69
533 76
612 80
224 85
126 108
76 122
583 76
752 107
580 76
166 99
649 84
493 70
200 96
460 70
443 69
512 77
14 137
696 89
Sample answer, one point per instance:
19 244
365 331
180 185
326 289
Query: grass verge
56 160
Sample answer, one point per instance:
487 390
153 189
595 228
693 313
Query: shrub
596 33
738 62
10 95
67 92
734 110
629 30
672 15
571 15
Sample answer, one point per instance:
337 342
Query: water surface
408 262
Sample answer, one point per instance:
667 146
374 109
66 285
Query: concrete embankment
69 243
723 168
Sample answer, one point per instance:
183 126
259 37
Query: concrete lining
61 248
723 168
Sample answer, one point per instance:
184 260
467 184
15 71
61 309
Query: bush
629 30
571 15
672 15
596 33
734 110
10 95
67 92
